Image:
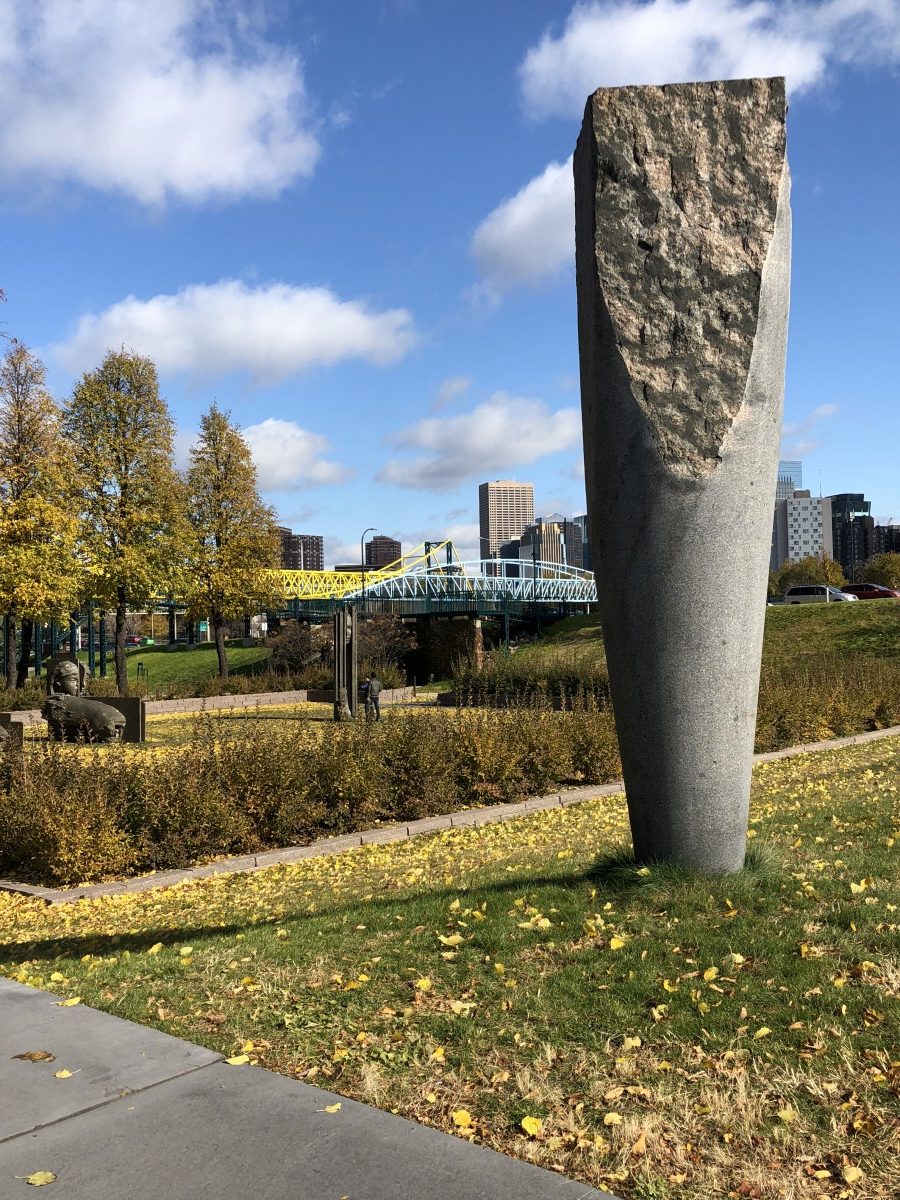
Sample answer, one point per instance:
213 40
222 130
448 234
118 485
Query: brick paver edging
465 818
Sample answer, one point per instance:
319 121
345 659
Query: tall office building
552 539
381 551
505 510
790 478
581 524
852 531
301 551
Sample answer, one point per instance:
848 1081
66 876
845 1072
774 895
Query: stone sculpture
76 718
683 272
72 717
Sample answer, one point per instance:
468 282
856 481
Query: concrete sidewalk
150 1117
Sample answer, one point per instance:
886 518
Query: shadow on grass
616 876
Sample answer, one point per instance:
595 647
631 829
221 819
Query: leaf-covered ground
521 985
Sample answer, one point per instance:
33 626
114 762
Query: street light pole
362 559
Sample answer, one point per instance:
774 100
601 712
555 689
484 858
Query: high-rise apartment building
505 510
802 528
381 551
301 551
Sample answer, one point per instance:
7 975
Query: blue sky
351 224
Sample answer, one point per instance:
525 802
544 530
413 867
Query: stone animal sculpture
75 718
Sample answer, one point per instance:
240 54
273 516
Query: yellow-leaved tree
127 488
233 540
40 574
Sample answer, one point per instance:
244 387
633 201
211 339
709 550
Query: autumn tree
814 568
39 572
128 490
884 569
233 537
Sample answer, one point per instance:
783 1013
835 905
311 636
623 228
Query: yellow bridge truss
335 585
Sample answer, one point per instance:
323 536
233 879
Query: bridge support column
173 626
446 641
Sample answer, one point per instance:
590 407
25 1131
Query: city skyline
369 262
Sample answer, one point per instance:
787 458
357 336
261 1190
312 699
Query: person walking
373 694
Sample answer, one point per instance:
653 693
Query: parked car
870 591
132 640
814 593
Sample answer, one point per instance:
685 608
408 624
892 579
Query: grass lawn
794 632
191 664
522 985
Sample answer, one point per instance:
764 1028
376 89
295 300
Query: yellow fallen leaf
461 1118
62 1074
57 977
333 1108
455 939
787 1114
762 1032
532 1125
710 973
340 1052
616 943
238 1060
640 1146
247 1047
851 1174
39 1178
155 948
423 984
612 1118
185 951
437 1054
431 1097
500 1077
68 1003
631 1043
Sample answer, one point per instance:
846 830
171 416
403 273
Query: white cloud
798 438
504 432
529 237
288 458
669 41
160 100
271 332
457 385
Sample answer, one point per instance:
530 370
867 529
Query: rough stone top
687 179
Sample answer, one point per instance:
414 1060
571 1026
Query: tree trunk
121 668
218 624
24 658
9 667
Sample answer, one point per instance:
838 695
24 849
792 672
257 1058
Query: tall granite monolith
683 237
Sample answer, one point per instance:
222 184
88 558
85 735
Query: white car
815 593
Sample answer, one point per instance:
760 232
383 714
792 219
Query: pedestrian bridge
432 578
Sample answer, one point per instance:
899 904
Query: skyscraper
505 510
790 478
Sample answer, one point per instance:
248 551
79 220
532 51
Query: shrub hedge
68 814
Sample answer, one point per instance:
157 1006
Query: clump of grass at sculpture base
637 1029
